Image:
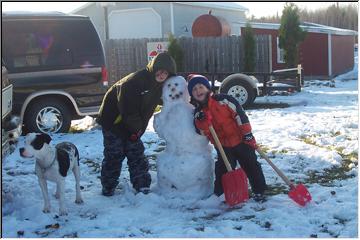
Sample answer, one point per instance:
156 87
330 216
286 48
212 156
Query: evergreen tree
175 50
290 34
249 49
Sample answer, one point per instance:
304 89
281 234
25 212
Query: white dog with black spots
53 164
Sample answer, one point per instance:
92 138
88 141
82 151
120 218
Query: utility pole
106 5
106 22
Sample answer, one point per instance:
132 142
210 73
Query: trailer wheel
240 89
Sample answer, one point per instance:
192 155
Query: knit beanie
163 61
194 79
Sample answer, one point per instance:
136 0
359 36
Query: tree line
340 16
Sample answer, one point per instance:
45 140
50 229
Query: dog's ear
39 141
46 138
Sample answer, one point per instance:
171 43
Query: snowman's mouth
176 95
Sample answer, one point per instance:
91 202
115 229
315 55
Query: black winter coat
129 104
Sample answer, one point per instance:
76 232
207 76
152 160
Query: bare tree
341 16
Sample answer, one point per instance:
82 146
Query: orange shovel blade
300 194
235 187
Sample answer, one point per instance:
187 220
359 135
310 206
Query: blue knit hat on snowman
194 79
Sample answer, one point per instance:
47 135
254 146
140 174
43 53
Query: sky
262 9
258 9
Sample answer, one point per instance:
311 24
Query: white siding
134 23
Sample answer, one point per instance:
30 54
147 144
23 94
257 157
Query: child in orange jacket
233 129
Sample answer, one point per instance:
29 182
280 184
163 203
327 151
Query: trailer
246 86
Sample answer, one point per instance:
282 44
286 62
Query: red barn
325 52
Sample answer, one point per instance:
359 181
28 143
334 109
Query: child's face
200 92
161 75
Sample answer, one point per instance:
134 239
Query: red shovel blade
235 187
300 194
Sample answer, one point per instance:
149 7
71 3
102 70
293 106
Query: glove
249 139
200 116
202 120
135 136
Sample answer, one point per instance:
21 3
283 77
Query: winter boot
108 192
144 190
258 197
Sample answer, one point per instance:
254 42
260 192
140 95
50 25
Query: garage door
137 23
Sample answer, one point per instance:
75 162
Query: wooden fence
221 54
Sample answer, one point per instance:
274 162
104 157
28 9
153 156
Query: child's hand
249 139
202 121
200 116
135 136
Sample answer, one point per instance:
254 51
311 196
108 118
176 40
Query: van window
84 37
32 45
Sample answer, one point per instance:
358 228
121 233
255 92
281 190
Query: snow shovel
234 182
298 193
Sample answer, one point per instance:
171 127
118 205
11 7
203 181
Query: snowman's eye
176 84
169 85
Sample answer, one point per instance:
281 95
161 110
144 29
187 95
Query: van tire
48 115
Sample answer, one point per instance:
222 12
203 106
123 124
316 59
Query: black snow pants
115 151
247 159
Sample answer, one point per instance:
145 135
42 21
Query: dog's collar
48 167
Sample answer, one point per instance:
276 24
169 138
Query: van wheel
240 90
48 116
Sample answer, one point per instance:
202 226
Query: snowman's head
175 90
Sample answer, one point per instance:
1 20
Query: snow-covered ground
314 141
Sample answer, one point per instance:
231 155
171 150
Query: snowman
185 168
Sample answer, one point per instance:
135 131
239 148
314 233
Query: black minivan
56 64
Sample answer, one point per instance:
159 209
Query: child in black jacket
124 115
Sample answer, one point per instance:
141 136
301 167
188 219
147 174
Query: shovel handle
219 146
286 180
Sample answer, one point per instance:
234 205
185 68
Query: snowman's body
185 168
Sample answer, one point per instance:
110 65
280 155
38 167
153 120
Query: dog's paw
79 201
63 212
46 210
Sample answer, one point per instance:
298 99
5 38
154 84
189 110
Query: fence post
270 53
299 78
265 80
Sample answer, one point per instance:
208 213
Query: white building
157 19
